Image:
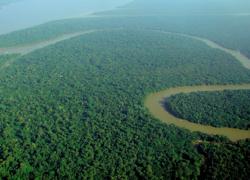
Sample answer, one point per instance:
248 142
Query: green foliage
230 31
220 109
225 161
5 58
74 110
219 29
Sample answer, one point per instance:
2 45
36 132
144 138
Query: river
27 13
154 104
154 101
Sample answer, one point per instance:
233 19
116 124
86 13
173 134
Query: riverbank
153 102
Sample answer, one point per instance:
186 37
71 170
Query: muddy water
245 61
154 104
154 101
32 47
29 48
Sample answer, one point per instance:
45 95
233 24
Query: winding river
154 101
34 46
245 61
154 104
31 47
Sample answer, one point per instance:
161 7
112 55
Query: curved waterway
34 46
154 103
245 61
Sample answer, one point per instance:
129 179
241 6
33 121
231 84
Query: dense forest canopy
220 109
84 98
75 109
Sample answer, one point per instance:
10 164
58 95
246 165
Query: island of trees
75 110
219 109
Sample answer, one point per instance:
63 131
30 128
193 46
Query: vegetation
233 156
5 60
220 109
74 110
227 30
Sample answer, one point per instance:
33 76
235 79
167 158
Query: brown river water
154 101
154 104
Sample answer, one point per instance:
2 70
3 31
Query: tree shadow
167 107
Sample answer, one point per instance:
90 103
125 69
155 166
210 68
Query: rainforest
148 90
221 109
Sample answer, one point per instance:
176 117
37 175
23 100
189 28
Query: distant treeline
228 31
